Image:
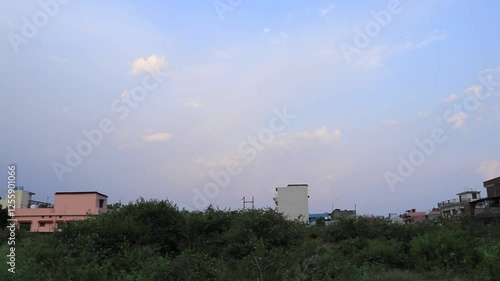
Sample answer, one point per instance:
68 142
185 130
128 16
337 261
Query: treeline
154 240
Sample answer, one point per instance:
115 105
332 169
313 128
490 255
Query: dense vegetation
153 240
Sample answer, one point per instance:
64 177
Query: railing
453 202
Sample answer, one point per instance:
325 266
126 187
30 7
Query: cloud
436 35
159 137
152 64
325 11
451 98
321 133
474 89
489 169
391 123
410 45
458 120
191 103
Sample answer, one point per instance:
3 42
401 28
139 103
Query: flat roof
298 184
81 192
470 191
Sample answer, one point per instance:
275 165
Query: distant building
22 198
293 201
395 218
492 187
412 216
67 206
487 208
338 214
454 207
320 216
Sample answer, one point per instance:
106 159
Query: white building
21 196
454 207
292 201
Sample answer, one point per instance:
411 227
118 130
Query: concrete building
338 214
22 198
293 201
412 216
454 207
67 206
492 187
488 208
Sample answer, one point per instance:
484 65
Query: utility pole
245 202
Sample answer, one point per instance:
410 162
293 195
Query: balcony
452 202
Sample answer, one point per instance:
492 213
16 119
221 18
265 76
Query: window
42 224
60 224
474 196
26 226
101 203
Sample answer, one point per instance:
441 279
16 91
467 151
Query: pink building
412 216
67 206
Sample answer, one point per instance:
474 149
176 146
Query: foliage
154 240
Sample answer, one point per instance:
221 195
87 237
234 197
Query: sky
382 106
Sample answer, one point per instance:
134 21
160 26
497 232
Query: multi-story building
338 214
412 216
67 206
292 201
21 197
487 208
457 206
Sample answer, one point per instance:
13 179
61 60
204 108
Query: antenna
245 202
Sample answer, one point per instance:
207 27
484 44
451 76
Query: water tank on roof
34 206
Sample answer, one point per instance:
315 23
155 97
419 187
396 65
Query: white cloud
458 120
321 133
391 123
489 169
158 137
436 35
410 45
451 98
325 11
152 64
191 103
474 89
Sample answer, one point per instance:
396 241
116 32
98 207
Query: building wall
492 187
293 202
67 207
80 203
21 197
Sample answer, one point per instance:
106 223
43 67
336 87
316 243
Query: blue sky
226 67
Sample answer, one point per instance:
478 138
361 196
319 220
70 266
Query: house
320 216
292 201
20 196
457 206
67 206
487 208
412 216
338 213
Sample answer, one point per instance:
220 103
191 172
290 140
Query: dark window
42 224
60 216
101 203
50 216
60 224
474 196
25 226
